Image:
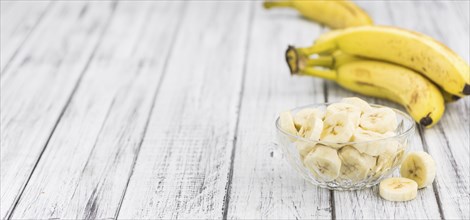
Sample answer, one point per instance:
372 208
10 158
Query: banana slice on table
353 111
371 147
286 121
324 163
398 189
420 167
379 120
361 104
302 116
312 128
338 128
355 166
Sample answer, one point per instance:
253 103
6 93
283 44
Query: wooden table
147 110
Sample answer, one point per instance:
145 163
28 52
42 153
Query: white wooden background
148 110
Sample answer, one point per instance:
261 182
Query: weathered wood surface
38 86
19 19
147 110
183 166
263 184
99 135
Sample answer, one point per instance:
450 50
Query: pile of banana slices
352 142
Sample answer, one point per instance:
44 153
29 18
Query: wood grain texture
84 171
38 86
264 186
183 166
448 143
18 19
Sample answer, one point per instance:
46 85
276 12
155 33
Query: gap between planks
155 95
228 188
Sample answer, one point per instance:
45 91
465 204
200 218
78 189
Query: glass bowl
358 170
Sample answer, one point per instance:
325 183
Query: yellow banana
333 13
413 50
421 98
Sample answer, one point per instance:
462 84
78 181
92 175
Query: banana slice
353 112
371 147
355 166
323 162
420 167
312 128
302 116
287 123
338 128
379 120
398 189
361 104
304 148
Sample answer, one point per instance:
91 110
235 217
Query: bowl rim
404 133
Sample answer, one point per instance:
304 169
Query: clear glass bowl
358 170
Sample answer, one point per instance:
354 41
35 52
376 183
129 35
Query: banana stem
325 61
271 4
325 74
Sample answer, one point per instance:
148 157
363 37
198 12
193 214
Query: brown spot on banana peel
360 83
466 89
414 97
292 59
408 107
426 121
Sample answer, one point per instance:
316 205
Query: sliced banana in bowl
345 145
355 166
380 120
338 128
324 163
365 142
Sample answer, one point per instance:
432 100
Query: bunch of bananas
402 66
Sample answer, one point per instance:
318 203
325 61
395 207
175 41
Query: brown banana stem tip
455 97
292 59
466 89
425 121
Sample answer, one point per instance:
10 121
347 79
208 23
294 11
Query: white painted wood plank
17 20
183 165
264 186
448 143
358 204
84 170
38 85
